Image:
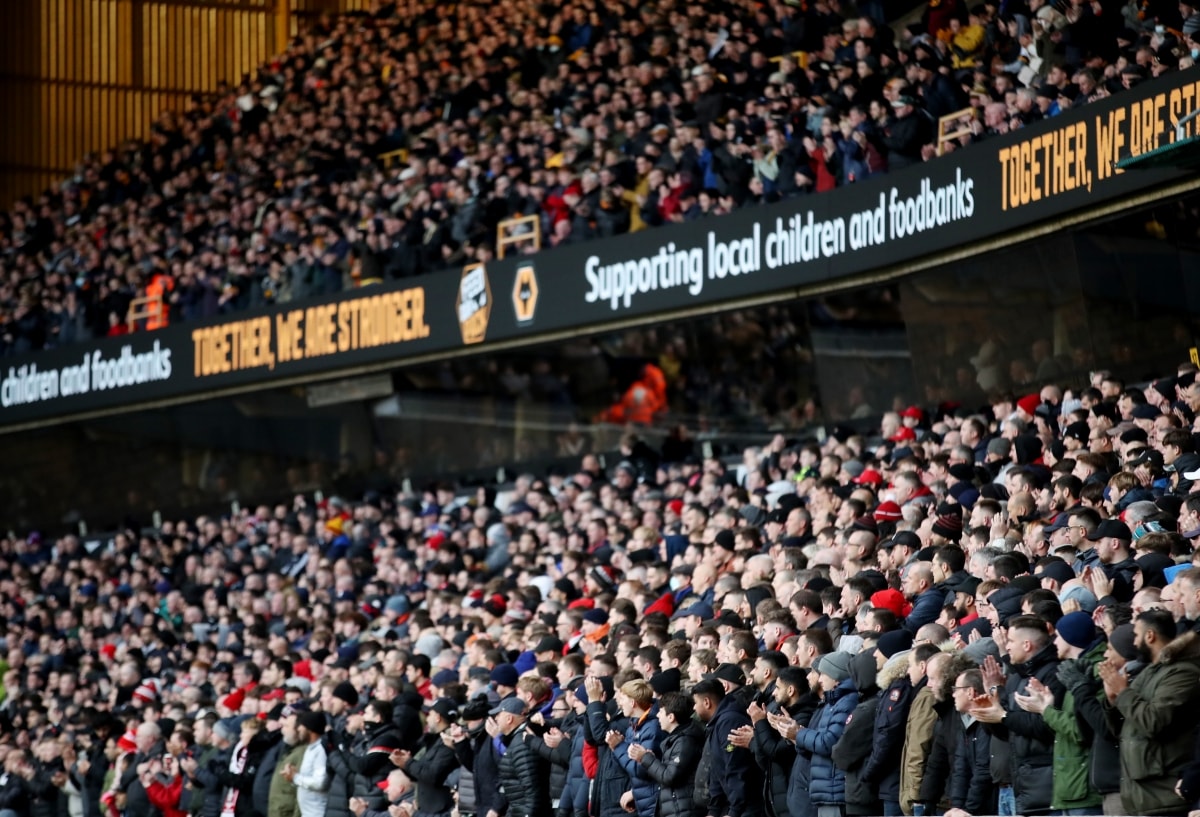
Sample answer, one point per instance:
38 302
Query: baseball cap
512 705
728 672
1111 529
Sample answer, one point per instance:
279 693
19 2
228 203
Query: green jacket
281 801
1159 713
1072 748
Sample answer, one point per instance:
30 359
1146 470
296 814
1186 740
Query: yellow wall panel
83 76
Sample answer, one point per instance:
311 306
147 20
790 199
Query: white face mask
677 582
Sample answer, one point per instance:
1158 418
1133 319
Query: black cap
446 708
728 672
1111 529
549 644
904 538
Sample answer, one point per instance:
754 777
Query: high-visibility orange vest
159 286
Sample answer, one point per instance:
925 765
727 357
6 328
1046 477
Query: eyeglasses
956 689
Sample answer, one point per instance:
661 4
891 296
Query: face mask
677 583
1196 53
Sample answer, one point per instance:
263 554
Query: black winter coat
1031 740
262 781
853 749
573 800
338 747
904 139
524 777
674 768
45 799
91 785
370 763
244 780
1105 764
733 777
776 756
971 786
559 757
881 771
13 794
430 769
477 754
208 792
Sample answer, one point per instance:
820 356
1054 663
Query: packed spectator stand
390 144
966 611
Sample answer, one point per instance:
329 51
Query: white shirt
312 781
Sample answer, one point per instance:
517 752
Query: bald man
926 599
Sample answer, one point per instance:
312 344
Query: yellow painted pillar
283 24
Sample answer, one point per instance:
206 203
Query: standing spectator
1031 656
729 766
311 777
673 768
918 730
971 789
1078 644
839 697
775 755
1158 714
281 799
881 770
432 764
853 749
524 777
636 701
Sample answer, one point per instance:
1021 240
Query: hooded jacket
827 783
854 747
1159 714
881 770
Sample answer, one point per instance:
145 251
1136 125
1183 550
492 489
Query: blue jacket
926 608
643 786
574 797
827 783
732 790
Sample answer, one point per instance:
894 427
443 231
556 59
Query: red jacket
165 797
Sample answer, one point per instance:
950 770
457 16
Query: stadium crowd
600 119
964 612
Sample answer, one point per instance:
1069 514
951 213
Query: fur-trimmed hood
895 668
1184 648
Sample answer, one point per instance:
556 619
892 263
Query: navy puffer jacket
827 783
644 787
